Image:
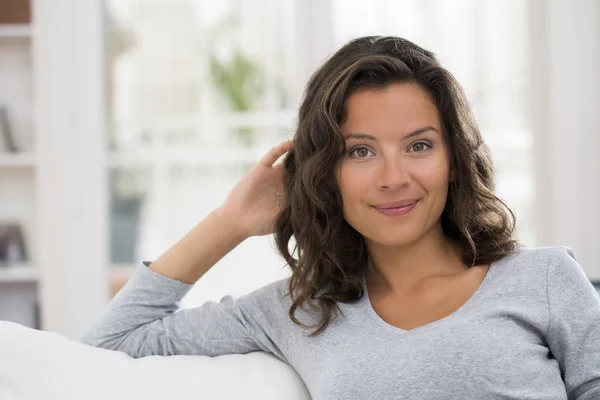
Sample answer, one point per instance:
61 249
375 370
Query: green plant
241 82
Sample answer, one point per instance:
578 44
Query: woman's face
395 152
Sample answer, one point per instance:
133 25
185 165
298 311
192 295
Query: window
199 90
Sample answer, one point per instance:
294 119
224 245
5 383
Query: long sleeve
144 319
574 331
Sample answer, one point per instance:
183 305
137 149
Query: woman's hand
257 198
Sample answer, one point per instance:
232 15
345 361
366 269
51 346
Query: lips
397 211
395 204
397 208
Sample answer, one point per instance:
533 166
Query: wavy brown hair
329 256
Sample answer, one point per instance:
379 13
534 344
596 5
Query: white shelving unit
16 31
54 187
18 160
19 274
19 282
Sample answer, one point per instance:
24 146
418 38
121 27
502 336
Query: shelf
16 31
18 160
18 273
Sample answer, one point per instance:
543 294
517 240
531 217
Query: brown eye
420 147
362 152
359 152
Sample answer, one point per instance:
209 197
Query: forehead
405 106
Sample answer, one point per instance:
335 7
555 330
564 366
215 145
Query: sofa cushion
43 365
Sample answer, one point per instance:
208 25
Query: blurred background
123 123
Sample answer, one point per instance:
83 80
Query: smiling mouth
396 211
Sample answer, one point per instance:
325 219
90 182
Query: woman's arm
143 318
209 241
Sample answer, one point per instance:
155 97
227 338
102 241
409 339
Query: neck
397 270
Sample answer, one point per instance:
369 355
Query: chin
390 238
393 242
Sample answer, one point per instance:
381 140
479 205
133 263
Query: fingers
276 152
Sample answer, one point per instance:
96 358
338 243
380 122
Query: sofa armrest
44 365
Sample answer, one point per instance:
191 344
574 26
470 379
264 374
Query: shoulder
552 265
540 257
530 264
269 298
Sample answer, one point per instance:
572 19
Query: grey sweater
531 331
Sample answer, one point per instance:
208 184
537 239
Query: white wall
565 58
72 215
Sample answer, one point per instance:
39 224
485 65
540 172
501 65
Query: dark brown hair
329 256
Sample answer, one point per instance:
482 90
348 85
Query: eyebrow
369 137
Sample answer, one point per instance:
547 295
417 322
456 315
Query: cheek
354 185
352 190
346 182
437 192
433 176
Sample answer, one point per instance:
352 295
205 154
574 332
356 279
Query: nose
393 173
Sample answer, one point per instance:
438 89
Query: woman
406 281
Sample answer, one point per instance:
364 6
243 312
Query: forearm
192 256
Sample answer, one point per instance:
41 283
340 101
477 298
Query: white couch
43 365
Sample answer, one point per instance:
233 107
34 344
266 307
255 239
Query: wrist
231 222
